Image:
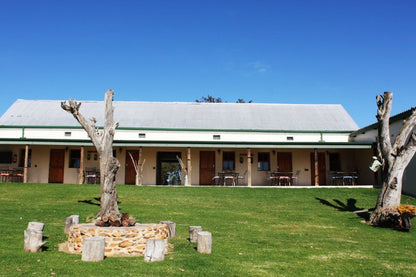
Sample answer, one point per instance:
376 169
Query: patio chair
295 177
230 179
17 175
4 175
217 180
241 177
284 180
91 176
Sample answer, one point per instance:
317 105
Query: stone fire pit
119 241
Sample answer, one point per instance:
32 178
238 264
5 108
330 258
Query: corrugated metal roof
183 115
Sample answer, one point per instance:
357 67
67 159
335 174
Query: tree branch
73 108
384 103
409 150
406 130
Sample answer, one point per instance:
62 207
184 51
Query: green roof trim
244 144
183 129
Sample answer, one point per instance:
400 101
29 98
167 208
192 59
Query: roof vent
142 135
289 138
216 137
68 134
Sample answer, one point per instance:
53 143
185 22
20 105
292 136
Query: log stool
193 233
93 249
172 228
70 221
155 250
33 236
204 242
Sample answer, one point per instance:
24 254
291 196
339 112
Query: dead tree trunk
109 165
394 159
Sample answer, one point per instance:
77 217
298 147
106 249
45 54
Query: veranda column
189 167
81 166
249 167
315 152
25 164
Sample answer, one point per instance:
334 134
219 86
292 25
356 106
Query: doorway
130 178
56 166
284 161
168 170
206 167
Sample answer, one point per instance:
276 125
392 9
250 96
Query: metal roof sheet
184 115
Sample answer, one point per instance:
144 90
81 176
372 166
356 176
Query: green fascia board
183 129
232 144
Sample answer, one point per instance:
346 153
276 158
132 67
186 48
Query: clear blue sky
342 52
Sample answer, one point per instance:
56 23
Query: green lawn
256 232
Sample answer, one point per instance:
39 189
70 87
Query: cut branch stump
193 233
33 236
93 249
70 221
155 250
204 242
172 228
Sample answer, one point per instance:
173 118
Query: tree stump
193 233
172 228
70 221
155 250
33 236
38 226
204 242
93 249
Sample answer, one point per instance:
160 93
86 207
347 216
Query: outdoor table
225 177
345 178
11 175
281 178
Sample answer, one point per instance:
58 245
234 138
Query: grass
256 232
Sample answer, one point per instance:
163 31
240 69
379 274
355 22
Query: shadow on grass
95 201
349 206
44 247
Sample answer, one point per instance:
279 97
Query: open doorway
168 171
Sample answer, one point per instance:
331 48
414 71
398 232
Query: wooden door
130 178
206 167
284 161
56 166
321 169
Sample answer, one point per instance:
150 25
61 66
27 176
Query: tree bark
394 159
109 165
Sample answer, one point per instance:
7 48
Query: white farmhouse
220 143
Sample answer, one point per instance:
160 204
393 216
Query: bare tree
209 99
103 141
394 158
138 168
212 99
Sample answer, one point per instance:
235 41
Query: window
263 163
6 157
334 162
228 161
74 158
